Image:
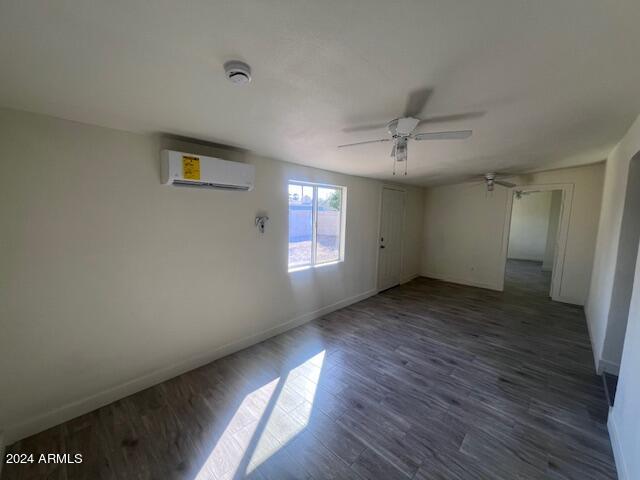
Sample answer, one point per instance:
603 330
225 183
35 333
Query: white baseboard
608 366
621 465
461 281
71 410
409 278
569 300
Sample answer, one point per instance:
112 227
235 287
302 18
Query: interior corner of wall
595 349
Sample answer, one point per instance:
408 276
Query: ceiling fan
402 129
491 179
520 193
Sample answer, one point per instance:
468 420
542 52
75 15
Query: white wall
598 305
464 227
413 227
552 230
624 421
463 230
529 226
625 268
112 282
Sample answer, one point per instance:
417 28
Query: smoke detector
237 72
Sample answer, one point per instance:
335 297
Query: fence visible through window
315 224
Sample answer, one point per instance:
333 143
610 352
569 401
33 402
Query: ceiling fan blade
504 184
364 143
451 118
454 135
364 128
473 182
416 101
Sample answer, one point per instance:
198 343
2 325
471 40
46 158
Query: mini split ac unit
187 169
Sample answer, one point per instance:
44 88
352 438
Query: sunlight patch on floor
281 426
231 446
263 423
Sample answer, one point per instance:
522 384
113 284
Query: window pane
328 234
300 225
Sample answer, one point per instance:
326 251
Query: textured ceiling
559 81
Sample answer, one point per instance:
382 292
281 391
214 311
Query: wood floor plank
429 380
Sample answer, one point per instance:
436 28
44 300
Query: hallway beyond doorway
527 277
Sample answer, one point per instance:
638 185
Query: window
316 224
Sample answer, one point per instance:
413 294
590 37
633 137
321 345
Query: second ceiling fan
402 129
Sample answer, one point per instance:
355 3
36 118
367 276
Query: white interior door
391 233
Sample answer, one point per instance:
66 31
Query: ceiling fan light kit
399 154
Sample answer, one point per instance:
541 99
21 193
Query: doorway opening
532 240
536 239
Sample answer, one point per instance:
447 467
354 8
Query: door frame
397 188
561 238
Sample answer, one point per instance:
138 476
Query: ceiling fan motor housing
402 127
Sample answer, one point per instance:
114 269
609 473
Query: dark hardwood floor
429 380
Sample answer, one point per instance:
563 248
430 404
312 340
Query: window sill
317 265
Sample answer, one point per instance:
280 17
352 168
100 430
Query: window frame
314 224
